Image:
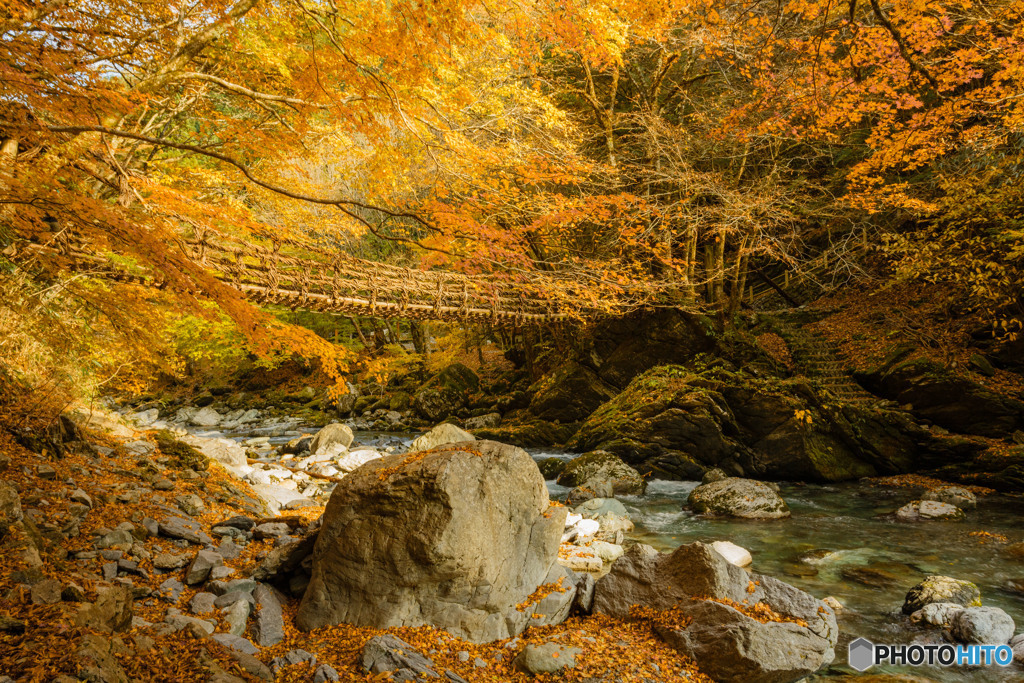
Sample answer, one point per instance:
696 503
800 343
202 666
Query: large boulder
736 497
569 394
593 469
713 602
439 436
333 434
982 626
952 401
446 394
458 538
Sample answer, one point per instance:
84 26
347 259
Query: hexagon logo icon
862 654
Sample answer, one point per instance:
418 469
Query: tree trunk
420 333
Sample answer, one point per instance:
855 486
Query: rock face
445 394
569 394
941 589
951 401
455 538
727 644
330 435
677 423
438 436
735 497
592 469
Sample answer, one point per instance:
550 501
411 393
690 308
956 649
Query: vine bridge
299 276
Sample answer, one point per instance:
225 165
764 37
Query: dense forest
361 340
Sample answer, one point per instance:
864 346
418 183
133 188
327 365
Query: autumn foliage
662 151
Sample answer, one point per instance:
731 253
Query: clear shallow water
836 543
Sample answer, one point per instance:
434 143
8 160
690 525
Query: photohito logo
863 654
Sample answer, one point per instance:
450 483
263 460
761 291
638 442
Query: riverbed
840 541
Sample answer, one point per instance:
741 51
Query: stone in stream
928 511
454 538
440 435
941 589
736 497
1017 643
982 626
334 433
598 468
957 496
937 613
726 643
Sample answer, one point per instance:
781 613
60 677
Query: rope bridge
273 270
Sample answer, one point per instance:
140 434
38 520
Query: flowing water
839 542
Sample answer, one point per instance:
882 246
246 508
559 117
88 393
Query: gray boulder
737 497
726 643
454 538
546 658
599 467
330 435
269 616
206 417
982 626
941 589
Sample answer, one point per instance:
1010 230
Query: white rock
334 433
326 454
185 414
572 519
207 417
608 552
356 459
146 417
579 559
586 530
438 436
225 451
276 496
733 553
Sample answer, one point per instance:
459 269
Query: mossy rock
591 469
183 455
735 497
550 468
400 401
531 434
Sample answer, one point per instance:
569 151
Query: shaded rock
713 475
550 468
269 617
270 530
237 616
956 496
410 541
325 673
182 622
78 496
284 559
546 658
170 590
170 561
735 497
569 394
185 529
941 589
332 434
118 538
982 626
490 420
10 507
201 565
95 661
440 435
46 592
446 393
112 612
597 467
928 511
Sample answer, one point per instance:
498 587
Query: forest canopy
645 152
